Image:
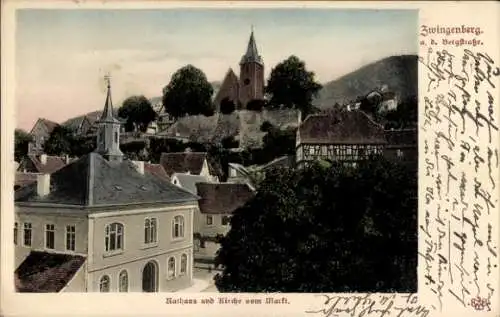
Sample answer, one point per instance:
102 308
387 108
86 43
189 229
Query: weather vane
107 79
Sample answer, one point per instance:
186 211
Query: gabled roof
222 198
183 162
156 169
341 127
92 181
53 163
49 125
230 79
43 272
189 181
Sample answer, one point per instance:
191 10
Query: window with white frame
123 282
27 234
15 233
70 237
171 268
113 237
178 227
150 230
50 234
104 284
184 260
210 220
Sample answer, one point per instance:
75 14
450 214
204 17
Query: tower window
246 81
116 137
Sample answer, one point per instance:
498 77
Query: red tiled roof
405 137
222 198
43 272
342 127
156 169
53 164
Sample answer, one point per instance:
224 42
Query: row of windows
50 231
149 276
113 237
225 220
115 232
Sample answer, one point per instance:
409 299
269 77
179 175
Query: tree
188 93
227 106
292 86
21 144
59 142
256 104
325 229
138 112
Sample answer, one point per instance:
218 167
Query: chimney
66 158
43 159
43 184
139 166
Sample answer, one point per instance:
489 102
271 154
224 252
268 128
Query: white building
103 224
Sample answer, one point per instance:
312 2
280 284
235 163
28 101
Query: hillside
399 73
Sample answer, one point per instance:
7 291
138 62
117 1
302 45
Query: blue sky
62 55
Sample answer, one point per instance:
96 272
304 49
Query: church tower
108 137
251 74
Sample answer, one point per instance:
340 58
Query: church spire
108 138
252 54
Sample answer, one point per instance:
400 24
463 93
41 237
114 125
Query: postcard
315 159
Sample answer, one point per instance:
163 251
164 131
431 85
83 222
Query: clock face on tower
246 81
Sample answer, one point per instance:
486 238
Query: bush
227 106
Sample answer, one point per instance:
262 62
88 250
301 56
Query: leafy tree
138 112
59 142
256 105
81 145
21 144
291 85
188 93
227 106
325 229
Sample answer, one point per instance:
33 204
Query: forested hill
398 73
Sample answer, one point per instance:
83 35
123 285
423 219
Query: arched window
123 282
150 230
184 260
171 268
104 284
150 277
114 237
178 227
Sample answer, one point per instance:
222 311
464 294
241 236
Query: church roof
92 181
343 127
252 54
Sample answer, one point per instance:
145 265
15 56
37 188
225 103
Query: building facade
103 224
339 136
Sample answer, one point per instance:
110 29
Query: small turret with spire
108 138
252 54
